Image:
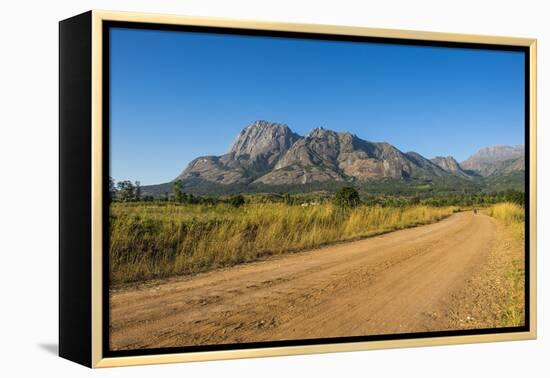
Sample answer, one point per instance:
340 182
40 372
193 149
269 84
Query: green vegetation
501 182
449 191
478 199
124 191
236 200
178 193
160 239
346 197
384 193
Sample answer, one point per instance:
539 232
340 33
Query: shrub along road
394 283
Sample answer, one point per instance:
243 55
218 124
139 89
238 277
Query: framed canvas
235 189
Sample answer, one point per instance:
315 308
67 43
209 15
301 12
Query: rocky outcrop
254 152
449 164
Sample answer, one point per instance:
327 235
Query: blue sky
176 95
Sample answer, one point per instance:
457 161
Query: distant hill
268 156
496 159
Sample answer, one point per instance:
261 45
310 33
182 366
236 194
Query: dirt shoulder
495 295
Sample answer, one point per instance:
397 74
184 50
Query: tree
287 198
515 196
176 187
347 197
126 191
237 200
138 191
415 200
112 189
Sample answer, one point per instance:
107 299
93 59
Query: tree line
344 197
180 196
126 191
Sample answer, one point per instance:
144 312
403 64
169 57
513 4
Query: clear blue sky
176 95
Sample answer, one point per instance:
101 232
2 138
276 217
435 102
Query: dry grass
153 241
512 215
495 295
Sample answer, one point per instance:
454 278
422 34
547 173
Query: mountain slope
496 159
449 164
255 151
259 146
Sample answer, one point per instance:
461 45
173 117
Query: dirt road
397 282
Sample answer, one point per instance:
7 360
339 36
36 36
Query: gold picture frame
90 329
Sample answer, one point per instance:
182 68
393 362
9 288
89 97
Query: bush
347 197
236 200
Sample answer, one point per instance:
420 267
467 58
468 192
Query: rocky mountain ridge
268 153
271 153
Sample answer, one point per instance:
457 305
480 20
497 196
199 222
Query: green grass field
156 240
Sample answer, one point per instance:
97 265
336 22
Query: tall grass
510 262
512 215
152 240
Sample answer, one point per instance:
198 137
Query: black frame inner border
107 25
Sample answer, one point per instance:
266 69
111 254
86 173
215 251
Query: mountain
495 160
517 164
272 154
259 146
426 168
254 152
449 164
270 157
325 155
